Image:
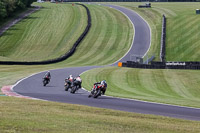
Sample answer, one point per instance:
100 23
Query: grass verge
178 87
20 115
182 42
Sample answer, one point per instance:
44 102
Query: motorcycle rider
69 81
46 78
71 78
78 81
102 85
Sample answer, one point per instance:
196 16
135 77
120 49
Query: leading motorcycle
95 91
46 80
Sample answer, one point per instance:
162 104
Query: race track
32 86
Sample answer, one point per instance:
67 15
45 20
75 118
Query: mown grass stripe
121 40
167 12
115 86
149 85
103 37
52 21
88 42
165 86
100 43
135 84
109 37
97 44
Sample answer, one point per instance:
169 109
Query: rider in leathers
103 86
78 81
70 78
47 76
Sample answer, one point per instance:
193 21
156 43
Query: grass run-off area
22 116
108 40
178 87
182 42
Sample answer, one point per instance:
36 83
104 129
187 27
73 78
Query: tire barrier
147 5
163 65
61 58
163 37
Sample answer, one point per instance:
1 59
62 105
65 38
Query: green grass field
110 31
45 34
182 42
106 41
176 87
183 34
22 116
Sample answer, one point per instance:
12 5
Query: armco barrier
163 65
61 58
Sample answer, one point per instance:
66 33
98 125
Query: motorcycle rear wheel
97 93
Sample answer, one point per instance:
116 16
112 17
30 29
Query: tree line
129 0
8 7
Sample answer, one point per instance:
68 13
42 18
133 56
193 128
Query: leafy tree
7 7
20 4
3 12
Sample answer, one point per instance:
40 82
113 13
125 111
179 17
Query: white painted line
132 39
146 101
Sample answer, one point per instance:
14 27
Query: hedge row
61 58
130 0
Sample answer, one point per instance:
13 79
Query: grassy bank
182 42
183 33
154 19
108 40
51 32
179 87
20 115
45 34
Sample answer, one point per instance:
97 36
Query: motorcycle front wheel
44 82
73 90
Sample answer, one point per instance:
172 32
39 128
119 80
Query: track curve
32 86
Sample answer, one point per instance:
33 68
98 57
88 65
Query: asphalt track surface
32 86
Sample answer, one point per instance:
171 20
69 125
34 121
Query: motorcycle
46 80
67 84
95 92
73 85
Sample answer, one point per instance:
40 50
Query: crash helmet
103 82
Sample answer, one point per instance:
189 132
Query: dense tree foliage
7 7
128 0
